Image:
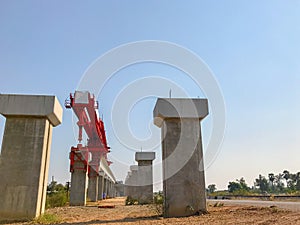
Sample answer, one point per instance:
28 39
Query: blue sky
251 46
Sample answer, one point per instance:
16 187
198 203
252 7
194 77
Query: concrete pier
127 185
79 184
133 182
105 187
108 188
93 185
25 153
145 176
182 154
120 189
100 185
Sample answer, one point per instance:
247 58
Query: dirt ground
147 214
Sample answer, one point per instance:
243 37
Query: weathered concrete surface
127 184
145 177
120 189
93 186
131 182
79 183
105 187
183 170
100 186
25 153
32 106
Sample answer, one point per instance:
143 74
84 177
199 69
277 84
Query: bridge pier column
100 186
145 176
79 183
183 170
25 154
93 185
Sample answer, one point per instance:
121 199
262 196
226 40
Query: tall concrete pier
127 184
145 176
97 183
79 183
100 185
182 154
25 153
93 175
132 182
93 185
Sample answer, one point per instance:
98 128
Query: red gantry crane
85 108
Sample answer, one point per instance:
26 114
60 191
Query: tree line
282 183
57 194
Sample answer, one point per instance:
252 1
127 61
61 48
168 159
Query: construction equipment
88 157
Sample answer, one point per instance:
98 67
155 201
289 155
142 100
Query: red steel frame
94 128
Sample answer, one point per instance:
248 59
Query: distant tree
243 184
292 182
52 186
55 187
57 195
279 186
262 183
212 188
60 187
234 186
238 186
298 181
286 176
271 179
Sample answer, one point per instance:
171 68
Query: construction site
28 132
149 112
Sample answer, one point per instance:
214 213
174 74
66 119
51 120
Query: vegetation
285 182
47 219
211 188
158 202
131 201
238 187
57 195
282 183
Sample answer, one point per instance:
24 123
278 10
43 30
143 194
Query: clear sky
251 46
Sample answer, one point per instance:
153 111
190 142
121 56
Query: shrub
47 219
131 201
56 199
158 203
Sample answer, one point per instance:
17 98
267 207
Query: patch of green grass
47 219
56 200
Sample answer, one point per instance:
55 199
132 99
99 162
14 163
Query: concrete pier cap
144 156
33 106
179 108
